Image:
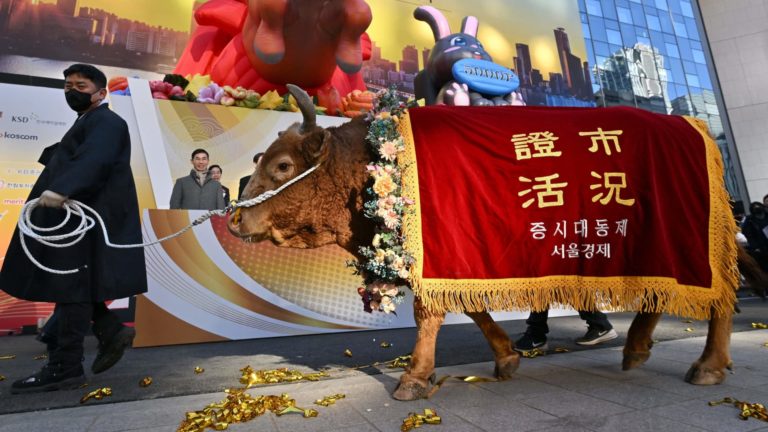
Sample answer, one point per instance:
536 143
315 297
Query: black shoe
530 342
112 349
595 336
50 378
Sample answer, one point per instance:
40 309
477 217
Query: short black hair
198 151
257 156
215 166
88 71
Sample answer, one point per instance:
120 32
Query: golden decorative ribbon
8 357
759 325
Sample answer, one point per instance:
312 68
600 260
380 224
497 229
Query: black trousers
537 322
71 321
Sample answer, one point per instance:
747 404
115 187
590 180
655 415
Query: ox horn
306 106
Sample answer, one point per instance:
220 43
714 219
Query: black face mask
78 100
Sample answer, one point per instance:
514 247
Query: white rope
78 209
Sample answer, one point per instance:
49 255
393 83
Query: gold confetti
765 344
536 352
97 394
348 352
689 329
401 362
40 357
199 370
469 379
145 382
686 321
415 420
252 377
240 407
385 345
759 325
329 400
2 377
754 410
8 357
562 350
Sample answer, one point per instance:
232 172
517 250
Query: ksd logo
19 119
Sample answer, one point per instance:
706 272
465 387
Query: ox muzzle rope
78 209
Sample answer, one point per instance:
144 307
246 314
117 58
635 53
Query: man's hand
51 199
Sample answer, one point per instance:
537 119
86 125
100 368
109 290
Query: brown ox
327 208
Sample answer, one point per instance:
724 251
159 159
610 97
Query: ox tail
757 280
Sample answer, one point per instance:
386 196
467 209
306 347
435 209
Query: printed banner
521 207
541 41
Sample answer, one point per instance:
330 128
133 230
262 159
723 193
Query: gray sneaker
595 336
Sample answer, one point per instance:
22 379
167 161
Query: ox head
323 207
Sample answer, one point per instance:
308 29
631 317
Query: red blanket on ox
518 208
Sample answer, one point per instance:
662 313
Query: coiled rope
77 209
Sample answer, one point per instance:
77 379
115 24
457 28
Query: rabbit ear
435 19
469 26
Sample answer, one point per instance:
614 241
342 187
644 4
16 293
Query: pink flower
388 150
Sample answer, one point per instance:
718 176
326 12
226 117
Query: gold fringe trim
646 294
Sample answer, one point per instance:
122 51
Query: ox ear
315 146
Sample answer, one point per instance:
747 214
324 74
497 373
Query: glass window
638 16
601 49
680 29
698 56
609 9
666 23
586 31
661 4
594 8
690 26
611 24
703 74
653 22
693 80
625 15
614 37
672 50
597 29
628 35
685 49
686 8
676 66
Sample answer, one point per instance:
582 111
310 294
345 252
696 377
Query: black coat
91 165
243 183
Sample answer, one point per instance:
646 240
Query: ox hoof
704 376
410 391
506 366
634 359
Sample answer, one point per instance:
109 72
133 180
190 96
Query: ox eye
283 166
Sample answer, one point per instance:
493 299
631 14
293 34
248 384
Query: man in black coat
91 164
244 180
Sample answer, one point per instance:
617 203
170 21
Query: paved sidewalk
576 392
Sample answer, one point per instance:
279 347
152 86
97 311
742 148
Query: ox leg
639 340
269 43
414 383
507 359
710 367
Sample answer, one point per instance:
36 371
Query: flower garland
385 264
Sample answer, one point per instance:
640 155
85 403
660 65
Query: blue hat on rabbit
459 71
